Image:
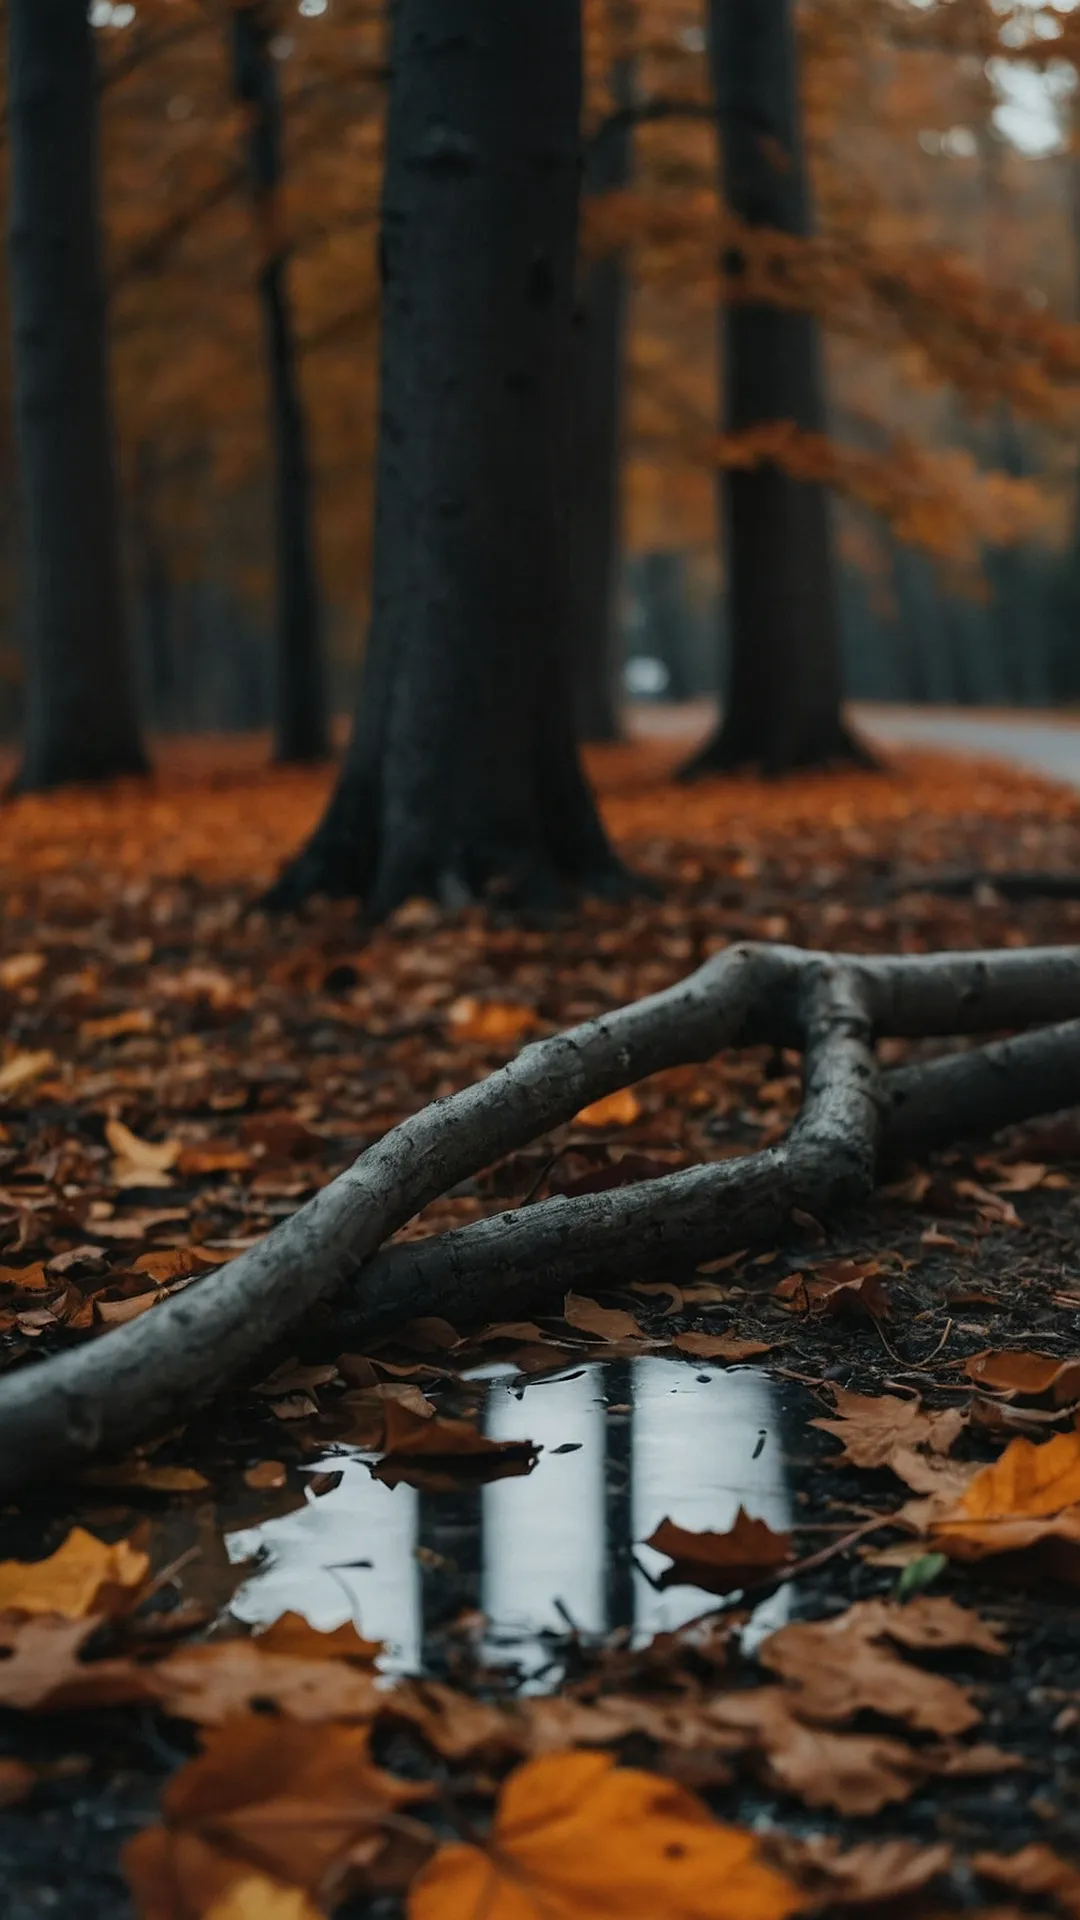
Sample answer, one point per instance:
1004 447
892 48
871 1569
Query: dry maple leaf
576 1838
84 1576
619 1109
836 1286
211 1684
871 1874
1034 1870
1032 1375
302 1805
721 1562
41 1666
838 1668
1030 1494
607 1323
872 1427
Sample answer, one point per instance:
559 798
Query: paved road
1045 742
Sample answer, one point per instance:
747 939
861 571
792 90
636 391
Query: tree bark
81 717
784 703
299 699
596 432
462 780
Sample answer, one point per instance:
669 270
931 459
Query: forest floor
874 1723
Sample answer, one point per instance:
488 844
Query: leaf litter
163 1103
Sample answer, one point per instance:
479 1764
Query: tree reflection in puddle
624 1444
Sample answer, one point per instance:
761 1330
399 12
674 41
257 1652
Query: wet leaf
721 1562
578 1839
84 1576
619 1109
836 1286
266 1475
295 1636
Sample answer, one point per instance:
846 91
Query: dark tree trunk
784 704
153 590
299 701
596 433
81 718
462 781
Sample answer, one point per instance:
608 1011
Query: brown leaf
837 1286
493 1022
721 1562
839 1668
720 1346
20 1069
266 1475
300 1804
115 1026
435 1453
293 1635
871 1874
872 1427
606 1323
1031 1375
17 1781
1031 1494
41 1666
177 1876
1036 1870
209 1684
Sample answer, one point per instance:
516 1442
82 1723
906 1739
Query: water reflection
625 1443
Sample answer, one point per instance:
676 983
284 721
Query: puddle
625 1444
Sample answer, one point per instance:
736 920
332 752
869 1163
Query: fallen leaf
177 1876
619 1109
436 1453
31 1279
1034 1870
495 1022
209 1684
575 1836
145 1474
266 1475
836 1286
212 1159
721 1562
871 1874
1031 1375
607 1323
872 1427
20 968
146 1156
293 1635
20 1069
1030 1494
84 1576
720 1346
41 1666
838 1668
115 1026
300 1804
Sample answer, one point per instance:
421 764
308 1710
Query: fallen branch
56 1414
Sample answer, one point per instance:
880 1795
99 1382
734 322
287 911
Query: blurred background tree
944 272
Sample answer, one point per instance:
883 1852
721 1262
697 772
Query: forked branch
105 1395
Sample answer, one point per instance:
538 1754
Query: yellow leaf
256 1897
1030 1494
576 1838
619 1109
84 1576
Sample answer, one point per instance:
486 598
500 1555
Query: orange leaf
607 1323
1029 1374
1030 1494
492 1021
576 1838
619 1109
85 1575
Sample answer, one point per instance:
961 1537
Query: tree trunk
462 781
784 703
153 590
299 701
81 718
599 356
